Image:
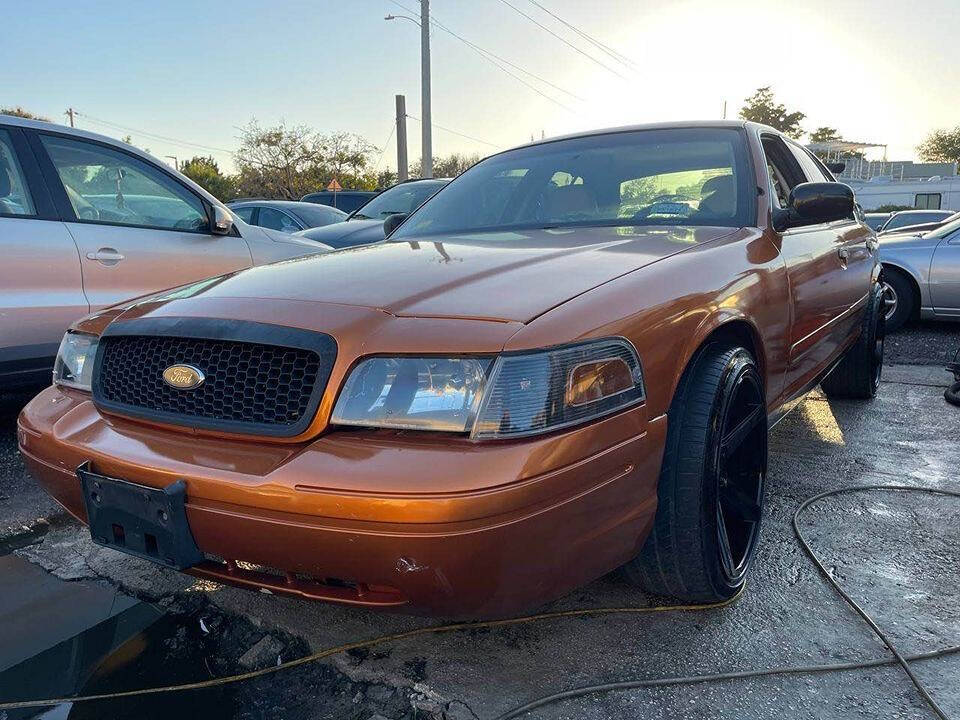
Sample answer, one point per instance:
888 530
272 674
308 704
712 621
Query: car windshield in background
403 198
905 219
944 230
687 176
319 215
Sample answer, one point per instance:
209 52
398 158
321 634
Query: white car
87 221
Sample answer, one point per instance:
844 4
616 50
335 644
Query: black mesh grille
246 383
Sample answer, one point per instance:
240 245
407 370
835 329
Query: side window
276 220
927 201
105 185
245 214
782 169
809 167
14 196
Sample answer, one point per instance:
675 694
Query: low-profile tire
710 493
857 376
899 298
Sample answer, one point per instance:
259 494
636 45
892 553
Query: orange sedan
565 362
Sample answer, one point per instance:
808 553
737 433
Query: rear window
682 176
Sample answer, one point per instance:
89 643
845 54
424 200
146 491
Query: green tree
18 111
288 162
941 146
447 167
386 178
761 107
824 134
205 172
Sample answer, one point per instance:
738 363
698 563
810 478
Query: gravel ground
929 343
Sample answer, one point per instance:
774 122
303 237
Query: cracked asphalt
896 553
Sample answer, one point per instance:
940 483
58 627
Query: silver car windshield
944 230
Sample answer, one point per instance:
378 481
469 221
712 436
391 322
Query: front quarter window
680 176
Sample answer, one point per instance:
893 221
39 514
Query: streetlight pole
426 124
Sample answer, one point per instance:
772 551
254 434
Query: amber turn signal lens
596 380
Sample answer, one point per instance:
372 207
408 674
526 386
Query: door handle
106 256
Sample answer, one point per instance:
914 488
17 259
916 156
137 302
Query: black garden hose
898 657
952 393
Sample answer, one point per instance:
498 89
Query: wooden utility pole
70 113
401 138
426 117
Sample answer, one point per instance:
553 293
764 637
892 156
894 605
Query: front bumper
422 523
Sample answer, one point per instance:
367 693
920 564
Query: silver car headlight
516 394
74 365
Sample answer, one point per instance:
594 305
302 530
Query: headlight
418 393
515 395
74 365
539 392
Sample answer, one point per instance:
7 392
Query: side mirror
222 222
391 223
815 203
836 167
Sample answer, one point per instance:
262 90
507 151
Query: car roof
292 204
914 211
126 147
342 192
677 124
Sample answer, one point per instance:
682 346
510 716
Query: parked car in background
346 200
927 226
286 215
87 221
876 220
921 274
903 218
524 387
365 225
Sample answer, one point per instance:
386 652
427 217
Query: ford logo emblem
183 377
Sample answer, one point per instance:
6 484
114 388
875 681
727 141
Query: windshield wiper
359 216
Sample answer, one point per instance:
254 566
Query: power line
492 58
393 129
618 56
484 51
562 39
457 132
152 136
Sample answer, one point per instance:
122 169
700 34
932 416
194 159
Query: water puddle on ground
59 639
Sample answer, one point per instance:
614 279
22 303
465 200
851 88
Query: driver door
137 228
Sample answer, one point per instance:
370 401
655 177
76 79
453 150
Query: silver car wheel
889 301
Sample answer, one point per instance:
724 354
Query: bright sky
193 71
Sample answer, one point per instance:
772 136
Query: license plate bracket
150 523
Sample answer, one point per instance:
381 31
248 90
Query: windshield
403 198
318 215
946 229
682 176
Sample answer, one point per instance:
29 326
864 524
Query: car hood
356 231
501 276
895 239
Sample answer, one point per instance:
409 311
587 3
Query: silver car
921 272
87 221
